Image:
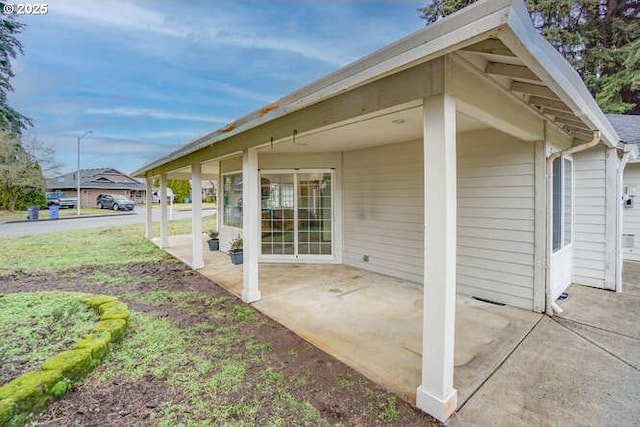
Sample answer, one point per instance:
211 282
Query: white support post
611 214
250 225
196 216
164 228
436 394
149 202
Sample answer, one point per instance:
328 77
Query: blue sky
147 77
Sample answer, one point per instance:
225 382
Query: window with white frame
232 199
562 202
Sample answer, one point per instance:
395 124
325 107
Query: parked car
56 198
115 202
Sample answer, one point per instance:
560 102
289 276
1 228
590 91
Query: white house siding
590 254
496 217
631 215
384 217
383 210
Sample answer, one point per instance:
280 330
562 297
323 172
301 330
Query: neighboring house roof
101 178
627 126
512 54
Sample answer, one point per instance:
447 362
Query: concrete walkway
578 369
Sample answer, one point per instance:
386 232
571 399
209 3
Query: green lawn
209 352
79 248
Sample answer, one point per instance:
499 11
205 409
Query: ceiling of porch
403 123
497 62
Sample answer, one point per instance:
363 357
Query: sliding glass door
297 214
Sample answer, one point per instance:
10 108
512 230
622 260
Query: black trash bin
33 212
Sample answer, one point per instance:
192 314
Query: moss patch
30 392
73 364
116 327
98 342
113 310
6 410
95 301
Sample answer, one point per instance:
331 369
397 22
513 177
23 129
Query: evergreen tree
599 38
10 120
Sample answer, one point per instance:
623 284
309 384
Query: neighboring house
469 156
94 182
628 127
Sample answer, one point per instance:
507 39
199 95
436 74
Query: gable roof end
550 86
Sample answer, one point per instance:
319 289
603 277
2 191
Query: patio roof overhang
493 40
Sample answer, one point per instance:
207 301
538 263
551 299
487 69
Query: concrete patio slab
512 367
557 378
580 368
607 310
372 322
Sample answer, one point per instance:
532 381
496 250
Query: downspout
619 187
551 306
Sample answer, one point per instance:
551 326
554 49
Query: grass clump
244 313
35 326
387 408
214 370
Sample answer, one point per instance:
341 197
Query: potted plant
235 250
214 242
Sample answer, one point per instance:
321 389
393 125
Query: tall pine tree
600 38
10 120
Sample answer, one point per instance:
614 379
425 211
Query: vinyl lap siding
631 216
496 218
384 214
383 210
589 252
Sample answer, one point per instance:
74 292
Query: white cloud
303 48
120 14
179 134
155 114
131 16
244 93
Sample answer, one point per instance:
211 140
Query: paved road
41 227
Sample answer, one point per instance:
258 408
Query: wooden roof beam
568 120
491 47
531 89
516 72
549 103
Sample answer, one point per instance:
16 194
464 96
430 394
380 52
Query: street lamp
78 174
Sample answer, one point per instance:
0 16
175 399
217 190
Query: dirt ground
128 402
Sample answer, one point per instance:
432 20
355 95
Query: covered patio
370 200
370 321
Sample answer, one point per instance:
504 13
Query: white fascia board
551 67
634 152
467 26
